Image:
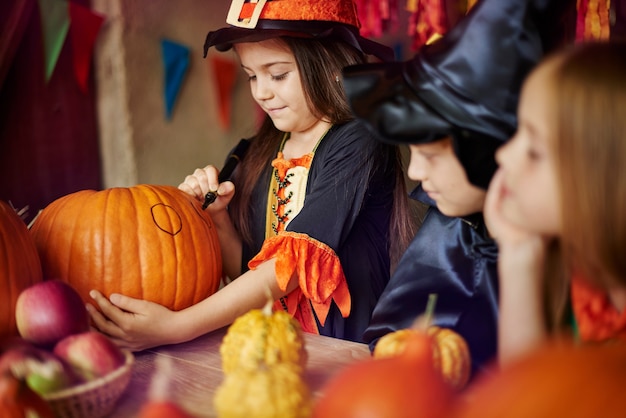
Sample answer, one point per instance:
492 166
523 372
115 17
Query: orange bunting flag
224 71
592 21
428 21
377 17
84 29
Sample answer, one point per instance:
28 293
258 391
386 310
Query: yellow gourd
262 337
275 391
450 352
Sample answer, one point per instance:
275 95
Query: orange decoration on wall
224 71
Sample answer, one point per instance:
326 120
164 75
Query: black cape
456 259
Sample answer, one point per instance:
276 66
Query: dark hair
319 63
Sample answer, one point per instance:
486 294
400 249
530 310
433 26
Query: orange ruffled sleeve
320 276
596 317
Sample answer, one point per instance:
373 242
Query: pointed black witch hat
465 85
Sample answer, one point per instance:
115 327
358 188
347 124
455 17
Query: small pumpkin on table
404 379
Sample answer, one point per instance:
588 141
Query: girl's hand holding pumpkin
133 324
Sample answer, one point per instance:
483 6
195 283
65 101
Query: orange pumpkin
19 265
450 352
406 385
149 242
556 380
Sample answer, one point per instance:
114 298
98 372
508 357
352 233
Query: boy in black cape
454 104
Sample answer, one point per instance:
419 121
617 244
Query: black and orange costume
325 216
338 242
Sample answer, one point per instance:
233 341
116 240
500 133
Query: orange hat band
341 12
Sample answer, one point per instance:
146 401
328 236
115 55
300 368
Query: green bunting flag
55 23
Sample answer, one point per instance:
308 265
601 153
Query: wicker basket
93 399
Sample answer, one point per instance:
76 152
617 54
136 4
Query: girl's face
530 194
275 84
435 164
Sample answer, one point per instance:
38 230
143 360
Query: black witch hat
465 85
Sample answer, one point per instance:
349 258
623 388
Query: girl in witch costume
560 195
310 210
454 104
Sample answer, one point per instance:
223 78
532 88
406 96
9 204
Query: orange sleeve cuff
596 317
319 271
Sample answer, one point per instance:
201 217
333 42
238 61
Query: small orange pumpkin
148 242
406 385
19 265
450 352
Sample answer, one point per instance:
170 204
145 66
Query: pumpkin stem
32 221
424 321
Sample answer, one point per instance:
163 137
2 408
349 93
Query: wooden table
197 371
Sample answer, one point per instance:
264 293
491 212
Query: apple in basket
90 354
43 371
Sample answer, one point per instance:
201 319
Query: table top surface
196 371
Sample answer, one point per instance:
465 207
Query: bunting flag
83 34
175 62
428 21
224 71
55 22
592 21
377 17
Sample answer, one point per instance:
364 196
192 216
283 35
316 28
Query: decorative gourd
149 242
19 265
405 385
556 380
450 352
275 391
262 337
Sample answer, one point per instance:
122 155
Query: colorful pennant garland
58 18
175 62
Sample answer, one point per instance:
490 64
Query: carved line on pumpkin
176 229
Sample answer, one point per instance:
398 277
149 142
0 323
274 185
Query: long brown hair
588 83
319 63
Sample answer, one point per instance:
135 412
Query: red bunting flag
84 29
377 17
224 71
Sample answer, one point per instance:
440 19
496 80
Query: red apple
49 311
91 354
